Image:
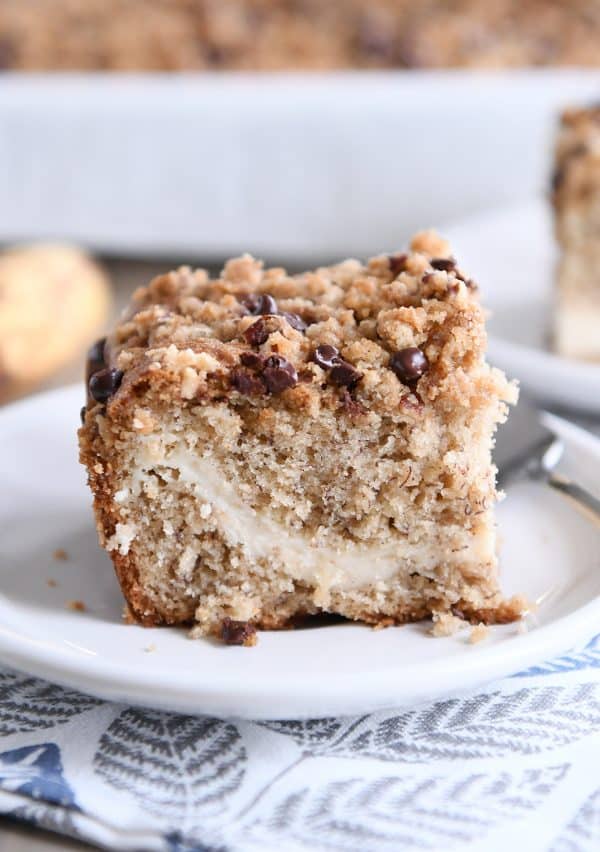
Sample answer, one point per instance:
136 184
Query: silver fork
526 447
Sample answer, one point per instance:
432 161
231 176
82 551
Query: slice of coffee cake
264 446
576 195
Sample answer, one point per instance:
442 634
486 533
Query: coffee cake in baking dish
175 35
262 446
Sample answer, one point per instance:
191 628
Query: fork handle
582 500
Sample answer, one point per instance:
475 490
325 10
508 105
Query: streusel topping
394 332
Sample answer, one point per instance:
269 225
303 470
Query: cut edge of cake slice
576 199
264 447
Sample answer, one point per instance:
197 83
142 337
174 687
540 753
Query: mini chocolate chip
246 383
104 384
259 304
275 361
344 374
257 333
95 358
294 320
252 360
267 304
82 413
238 632
279 374
326 356
397 263
96 351
250 303
409 364
443 263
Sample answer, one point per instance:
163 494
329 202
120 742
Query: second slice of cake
264 446
576 196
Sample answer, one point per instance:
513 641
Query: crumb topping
396 332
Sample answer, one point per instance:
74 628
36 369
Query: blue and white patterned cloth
513 766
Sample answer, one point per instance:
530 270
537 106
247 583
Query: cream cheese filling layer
303 558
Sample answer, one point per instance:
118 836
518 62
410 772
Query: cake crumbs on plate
479 632
60 554
149 649
446 624
51 582
76 606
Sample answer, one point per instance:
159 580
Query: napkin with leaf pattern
515 765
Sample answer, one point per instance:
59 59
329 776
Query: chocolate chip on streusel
257 333
104 384
294 320
397 263
409 364
250 302
443 263
279 374
344 374
238 632
252 360
82 413
259 303
95 357
246 382
326 356
96 351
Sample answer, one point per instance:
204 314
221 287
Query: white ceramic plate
549 552
512 254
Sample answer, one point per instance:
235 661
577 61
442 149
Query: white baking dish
294 167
